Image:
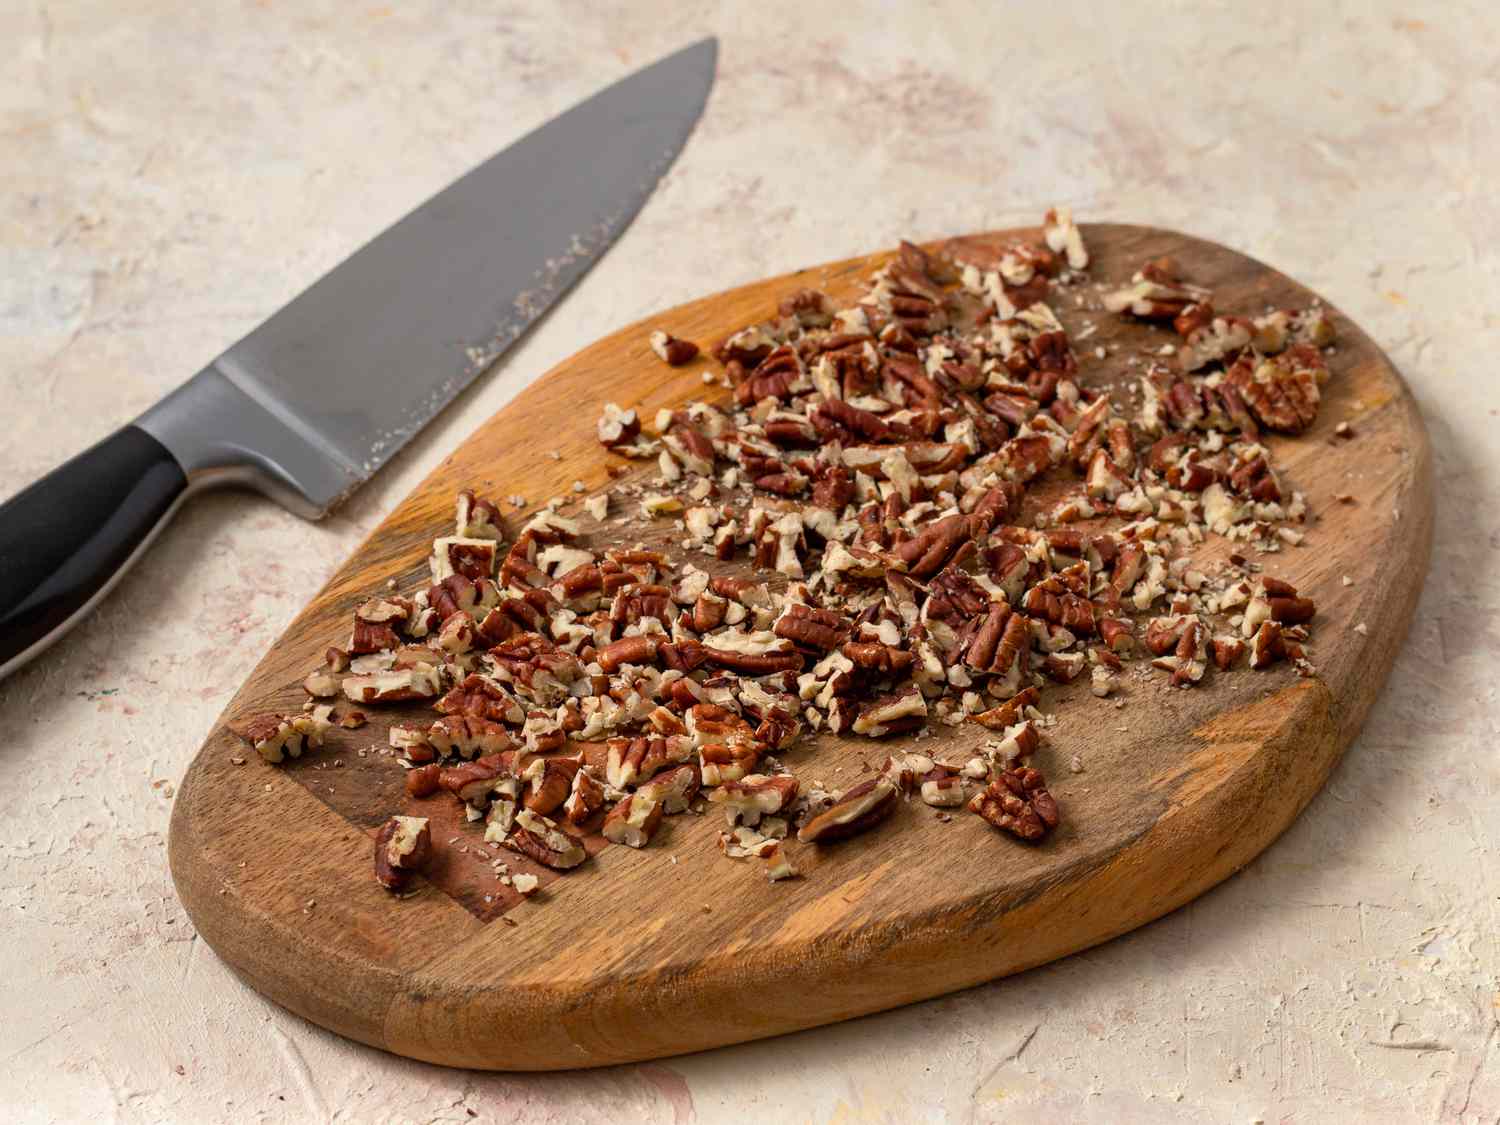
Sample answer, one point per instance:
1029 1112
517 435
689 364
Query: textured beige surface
173 172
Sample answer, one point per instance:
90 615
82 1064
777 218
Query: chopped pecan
633 821
618 427
483 698
398 685
538 838
887 660
1268 645
1017 801
934 547
808 307
628 650
473 782
942 788
276 737
817 629
634 760
674 788
585 798
402 846
900 711
854 811
755 795
423 781
1009 713
1292 610
671 350
476 518
550 783
468 736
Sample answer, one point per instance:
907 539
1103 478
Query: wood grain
673 949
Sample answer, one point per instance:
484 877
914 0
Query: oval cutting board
675 948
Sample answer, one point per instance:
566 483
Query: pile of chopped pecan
862 553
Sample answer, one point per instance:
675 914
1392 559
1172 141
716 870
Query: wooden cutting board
676 948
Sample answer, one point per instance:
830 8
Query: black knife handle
66 539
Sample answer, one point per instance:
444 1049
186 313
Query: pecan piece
473 782
398 685
633 760
854 811
942 788
817 629
934 547
887 660
403 845
1009 713
633 821
1018 802
1292 610
674 788
474 517
468 736
276 737
423 781
617 427
538 838
1267 646
627 650
1282 391
671 350
753 796
550 783
585 798
900 711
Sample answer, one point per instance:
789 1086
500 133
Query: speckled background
173 172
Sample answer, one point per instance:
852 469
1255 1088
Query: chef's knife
308 406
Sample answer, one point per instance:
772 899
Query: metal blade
344 375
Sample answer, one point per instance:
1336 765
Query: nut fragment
754 796
633 821
277 737
402 846
671 350
856 810
538 838
617 427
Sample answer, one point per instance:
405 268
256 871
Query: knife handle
67 539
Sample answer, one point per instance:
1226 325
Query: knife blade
315 400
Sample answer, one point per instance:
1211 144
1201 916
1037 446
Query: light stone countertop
174 172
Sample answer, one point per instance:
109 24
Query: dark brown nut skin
880 799
930 551
1018 802
754 664
628 650
683 656
820 629
423 781
394 876
1292 611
